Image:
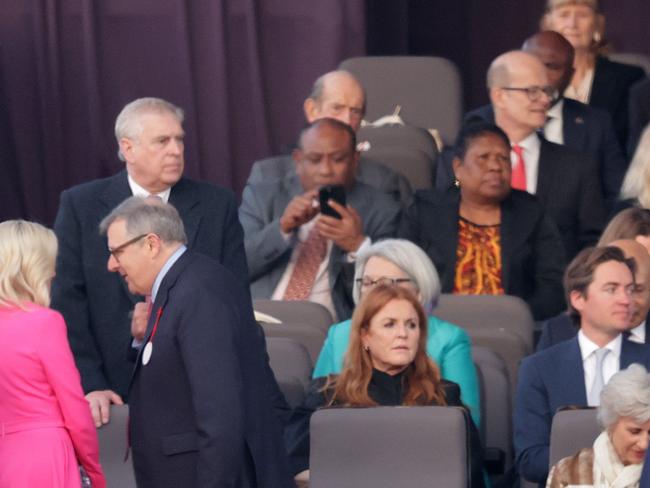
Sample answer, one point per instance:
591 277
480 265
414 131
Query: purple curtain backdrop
239 68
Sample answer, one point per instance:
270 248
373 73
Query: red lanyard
155 325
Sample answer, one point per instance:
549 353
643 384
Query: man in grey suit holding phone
294 250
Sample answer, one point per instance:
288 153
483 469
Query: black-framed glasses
534 92
116 251
367 282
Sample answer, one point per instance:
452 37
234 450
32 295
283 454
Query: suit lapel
632 353
546 173
186 202
573 125
115 193
575 373
446 234
158 307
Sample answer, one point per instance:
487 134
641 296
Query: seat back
489 312
289 360
637 59
385 447
410 151
296 312
112 447
496 427
310 337
572 430
428 90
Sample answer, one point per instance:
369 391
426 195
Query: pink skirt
42 457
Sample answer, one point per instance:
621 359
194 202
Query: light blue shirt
163 271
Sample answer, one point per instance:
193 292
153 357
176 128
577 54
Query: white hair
410 259
626 394
127 124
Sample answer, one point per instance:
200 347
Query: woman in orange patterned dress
484 237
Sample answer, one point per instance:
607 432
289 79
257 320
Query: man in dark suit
338 95
99 310
199 415
574 124
639 113
598 284
561 327
565 181
282 223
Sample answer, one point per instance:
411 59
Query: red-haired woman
386 364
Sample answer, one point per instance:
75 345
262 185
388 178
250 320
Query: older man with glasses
566 181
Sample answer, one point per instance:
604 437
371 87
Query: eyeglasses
116 251
534 92
367 282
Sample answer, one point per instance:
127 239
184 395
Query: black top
387 391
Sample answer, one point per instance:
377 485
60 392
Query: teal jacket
448 345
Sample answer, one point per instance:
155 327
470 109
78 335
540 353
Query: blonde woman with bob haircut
386 364
45 421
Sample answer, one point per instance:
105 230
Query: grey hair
410 259
127 124
637 178
147 216
626 394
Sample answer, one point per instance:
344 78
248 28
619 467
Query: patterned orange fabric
478 259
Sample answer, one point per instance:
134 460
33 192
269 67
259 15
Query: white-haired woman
45 425
616 458
402 263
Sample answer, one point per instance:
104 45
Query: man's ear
126 148
496 96
577 300
311 110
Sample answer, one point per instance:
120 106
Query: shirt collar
166 267
529 143
638 333
555 111
587 346
138 191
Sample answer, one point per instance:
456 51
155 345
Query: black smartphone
331 192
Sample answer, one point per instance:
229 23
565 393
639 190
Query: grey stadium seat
112 448
385 447
296 312
428 89
572 430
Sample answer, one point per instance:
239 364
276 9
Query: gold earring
597 37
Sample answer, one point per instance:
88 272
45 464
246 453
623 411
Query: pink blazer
41 394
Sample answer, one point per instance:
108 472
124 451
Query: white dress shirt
321 292
553 129
138 191
611 363
531 148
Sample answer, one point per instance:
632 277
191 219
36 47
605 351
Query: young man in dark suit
598 284
561 327
199 412
101 314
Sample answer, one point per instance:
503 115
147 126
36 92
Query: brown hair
627 224
421 377
580 272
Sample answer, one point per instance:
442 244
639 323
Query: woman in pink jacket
46 429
